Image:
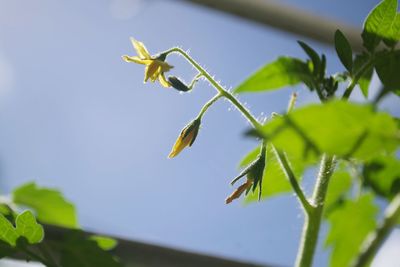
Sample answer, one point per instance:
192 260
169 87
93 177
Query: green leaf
394 32
387 67
274 181
378 24
337 128
343 50
285 71
364 81
80 251
313 56
49 204
104 242
339 185
349 226
27 227
382 174
7 231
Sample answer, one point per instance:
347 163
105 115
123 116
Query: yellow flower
186 138
155 66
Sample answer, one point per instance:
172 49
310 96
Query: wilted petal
239 191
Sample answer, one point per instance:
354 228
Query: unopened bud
178 84
186 137
254 173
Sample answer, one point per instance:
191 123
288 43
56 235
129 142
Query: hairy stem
195 80
292 179
246 113
313 219
208 104
376 239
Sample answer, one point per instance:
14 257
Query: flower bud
178 84
254 174
186 138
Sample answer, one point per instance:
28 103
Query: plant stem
375 240
312 222
46 253
208 104
356 78
246 113
37 257
195 80
292 179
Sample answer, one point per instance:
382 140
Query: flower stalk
246 113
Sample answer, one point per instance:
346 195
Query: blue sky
75 116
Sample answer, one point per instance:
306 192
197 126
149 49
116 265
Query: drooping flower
155 65
186 137
254 174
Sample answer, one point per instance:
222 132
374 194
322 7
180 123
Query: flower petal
150 70
155 75
136 60
140 49
163 81
164 65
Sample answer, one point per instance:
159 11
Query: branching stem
313 209
356 78
246 113
375 240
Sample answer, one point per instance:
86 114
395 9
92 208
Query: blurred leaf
379 23
343 50
104 242
365 79
382 174
7 231
5 209
387 66
313 56
349 226
336 128
50 206
394 32
80 251
27 227
283 72
339 185
274 180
